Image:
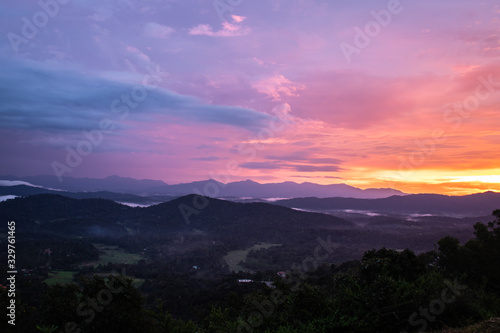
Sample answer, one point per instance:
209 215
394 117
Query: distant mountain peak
245 188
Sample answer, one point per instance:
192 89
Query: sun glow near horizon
493 179
448 182
269 89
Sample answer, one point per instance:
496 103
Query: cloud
37 96
356 100
261 166
102 13
302 156
316 168
238 19
206 159
228 29
138 55
277 87
155 30
258 61
16 183
294 167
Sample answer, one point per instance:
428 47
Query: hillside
231 224
469 205
25 190
86 217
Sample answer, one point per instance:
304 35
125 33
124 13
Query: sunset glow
482 179
292 90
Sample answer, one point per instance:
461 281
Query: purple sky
360 92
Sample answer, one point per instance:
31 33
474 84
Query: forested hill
469 205
24 190
97 217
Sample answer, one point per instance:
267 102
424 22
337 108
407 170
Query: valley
190 265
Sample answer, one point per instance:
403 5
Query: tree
478 258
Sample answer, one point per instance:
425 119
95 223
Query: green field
64 277
108 253
233 258
114 254
61 277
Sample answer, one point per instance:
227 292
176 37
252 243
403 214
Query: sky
400 94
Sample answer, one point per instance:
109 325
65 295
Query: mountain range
63 216
204 221
247 188
479 204
8 192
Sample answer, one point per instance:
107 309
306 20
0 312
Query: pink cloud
278 87
357 100
228 29
238 19
258 61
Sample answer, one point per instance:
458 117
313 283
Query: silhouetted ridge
62 215
473 205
